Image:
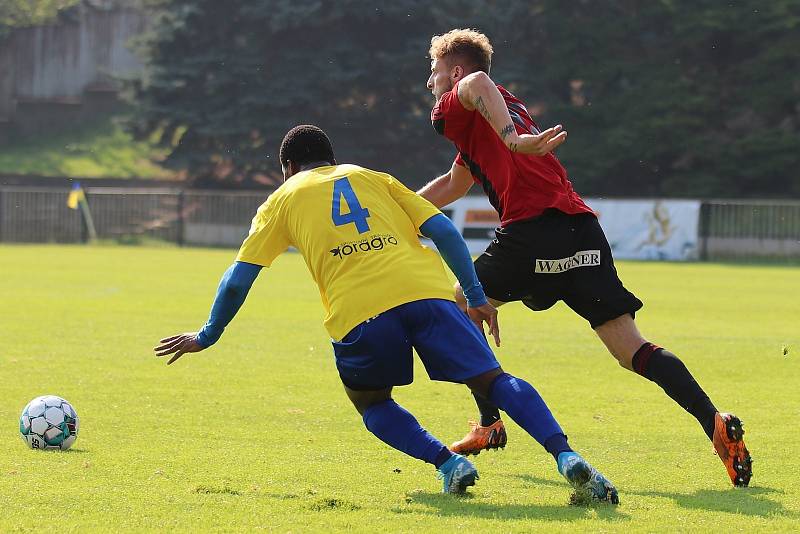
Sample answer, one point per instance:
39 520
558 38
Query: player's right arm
231 293
477 91
449 187
267 239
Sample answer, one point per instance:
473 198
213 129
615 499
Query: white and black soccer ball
49 422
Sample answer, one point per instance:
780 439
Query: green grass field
257 434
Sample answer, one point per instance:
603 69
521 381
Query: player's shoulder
276 199
309 179
319 175
366 174
315 178
346 169
509 97
445 103
503 91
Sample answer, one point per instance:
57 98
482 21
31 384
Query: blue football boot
589 484
457 473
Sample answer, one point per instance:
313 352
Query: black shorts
556 257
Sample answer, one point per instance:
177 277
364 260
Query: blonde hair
465 45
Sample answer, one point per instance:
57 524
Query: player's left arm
231 294
477 91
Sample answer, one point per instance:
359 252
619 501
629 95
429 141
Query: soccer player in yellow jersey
358 231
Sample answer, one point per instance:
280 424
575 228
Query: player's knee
460 299
360 407
482 384
621 338
362 400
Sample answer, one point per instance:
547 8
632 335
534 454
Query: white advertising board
648 229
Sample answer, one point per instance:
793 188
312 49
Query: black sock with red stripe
669 372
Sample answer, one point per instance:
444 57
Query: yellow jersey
357 230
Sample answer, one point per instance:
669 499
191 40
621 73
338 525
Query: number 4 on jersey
357 214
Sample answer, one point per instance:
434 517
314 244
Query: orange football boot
480 438
730 448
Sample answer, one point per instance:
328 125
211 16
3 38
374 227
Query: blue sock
525 406
395 426
556 444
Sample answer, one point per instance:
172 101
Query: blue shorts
377 353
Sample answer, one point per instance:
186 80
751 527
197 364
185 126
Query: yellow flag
75 197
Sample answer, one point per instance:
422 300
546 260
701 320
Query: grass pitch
256 433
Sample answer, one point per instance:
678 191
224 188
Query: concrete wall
6 79
62 65
752 247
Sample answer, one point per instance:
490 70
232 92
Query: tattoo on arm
512 147
508 130
481 107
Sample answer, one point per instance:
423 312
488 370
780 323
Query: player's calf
396 427
527 408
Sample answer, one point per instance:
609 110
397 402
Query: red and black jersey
519 186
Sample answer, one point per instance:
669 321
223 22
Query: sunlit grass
256 433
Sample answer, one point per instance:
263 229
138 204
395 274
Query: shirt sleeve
451 246
417 208
268 237
460 162
449 116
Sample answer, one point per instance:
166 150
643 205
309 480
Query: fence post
2 212
181 222
705 228
84 224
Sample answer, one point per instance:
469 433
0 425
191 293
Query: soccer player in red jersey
549 245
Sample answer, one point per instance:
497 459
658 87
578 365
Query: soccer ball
49 422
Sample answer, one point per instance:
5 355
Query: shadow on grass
746 501
750 501
447 505
56 450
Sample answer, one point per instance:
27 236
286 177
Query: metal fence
750 229
208 218
728 229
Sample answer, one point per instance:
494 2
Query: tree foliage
682 98
669 97
22 13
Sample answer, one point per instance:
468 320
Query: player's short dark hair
305 144
470 48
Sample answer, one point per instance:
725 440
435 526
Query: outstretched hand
540 144
488 314
179 345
